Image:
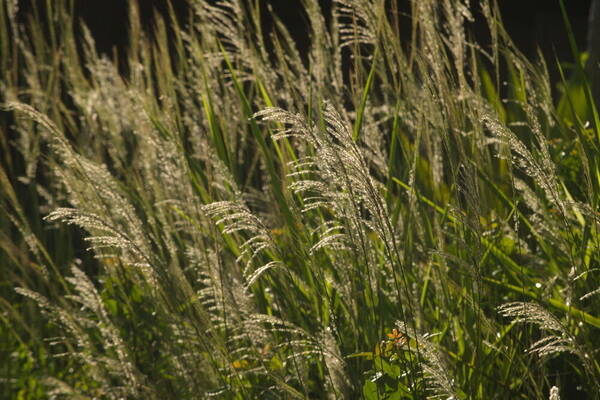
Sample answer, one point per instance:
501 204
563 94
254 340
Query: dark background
531 23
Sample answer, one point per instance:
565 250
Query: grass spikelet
531 313
440 382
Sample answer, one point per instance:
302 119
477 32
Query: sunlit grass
216 214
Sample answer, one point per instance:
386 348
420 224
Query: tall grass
382 217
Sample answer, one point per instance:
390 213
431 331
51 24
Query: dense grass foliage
383 217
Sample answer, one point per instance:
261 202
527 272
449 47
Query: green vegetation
384 218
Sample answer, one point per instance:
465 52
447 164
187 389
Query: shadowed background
531 24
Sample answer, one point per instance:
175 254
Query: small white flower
554 393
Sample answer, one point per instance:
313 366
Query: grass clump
378 218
